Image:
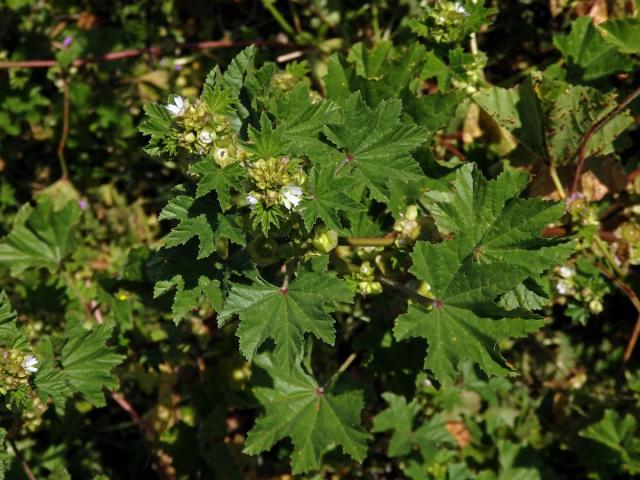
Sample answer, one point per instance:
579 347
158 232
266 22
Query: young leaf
222 180
10 335
496 246
177 269
41 237
285 314
589 57
328 196
197 218
376 144
156 124
316 420
85 363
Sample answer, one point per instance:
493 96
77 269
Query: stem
268 4
633 298
580 155
556 181
407 291
65 127
632 342
345 365
385 241
25 467
607 254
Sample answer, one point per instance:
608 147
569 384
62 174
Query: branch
633 298
580 155
153 50
25 467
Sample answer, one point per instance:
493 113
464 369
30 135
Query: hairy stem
412 294
580 155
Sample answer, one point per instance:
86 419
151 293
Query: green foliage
317 419
42 237
314 214
285 314
496 246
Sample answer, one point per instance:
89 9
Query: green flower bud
324 239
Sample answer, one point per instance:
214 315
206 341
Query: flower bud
325 240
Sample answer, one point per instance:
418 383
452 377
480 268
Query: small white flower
205 137
221 154
567 271
29 364
178 107
459 8
563 287
290 196
252 199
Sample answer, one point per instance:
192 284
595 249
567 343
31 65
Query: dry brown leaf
459 432
596 9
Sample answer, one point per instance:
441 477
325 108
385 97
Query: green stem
604 248
556 181
386 241
269 5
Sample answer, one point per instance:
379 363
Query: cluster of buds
408 227
444 22
277 181
366 280
205 132
568 286
630 233
15 369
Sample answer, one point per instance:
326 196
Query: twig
343 368
135 416
633 298
21 459
65 127
162 463
153 50
407 291
579 157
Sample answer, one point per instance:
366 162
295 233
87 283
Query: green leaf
285 314
266 142
328 195
85 364
376 144
617 440
178 270
589 57
622 33
10 335
197 219
5 457
496 246
573 113
222 180
399 417
42 237
519 111
156 124
316 420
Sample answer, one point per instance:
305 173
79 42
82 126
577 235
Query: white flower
567 271
252 199
563 287
29 364
178 106
459 8
290 196
205 137
221 154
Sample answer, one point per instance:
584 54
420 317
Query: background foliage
138 278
